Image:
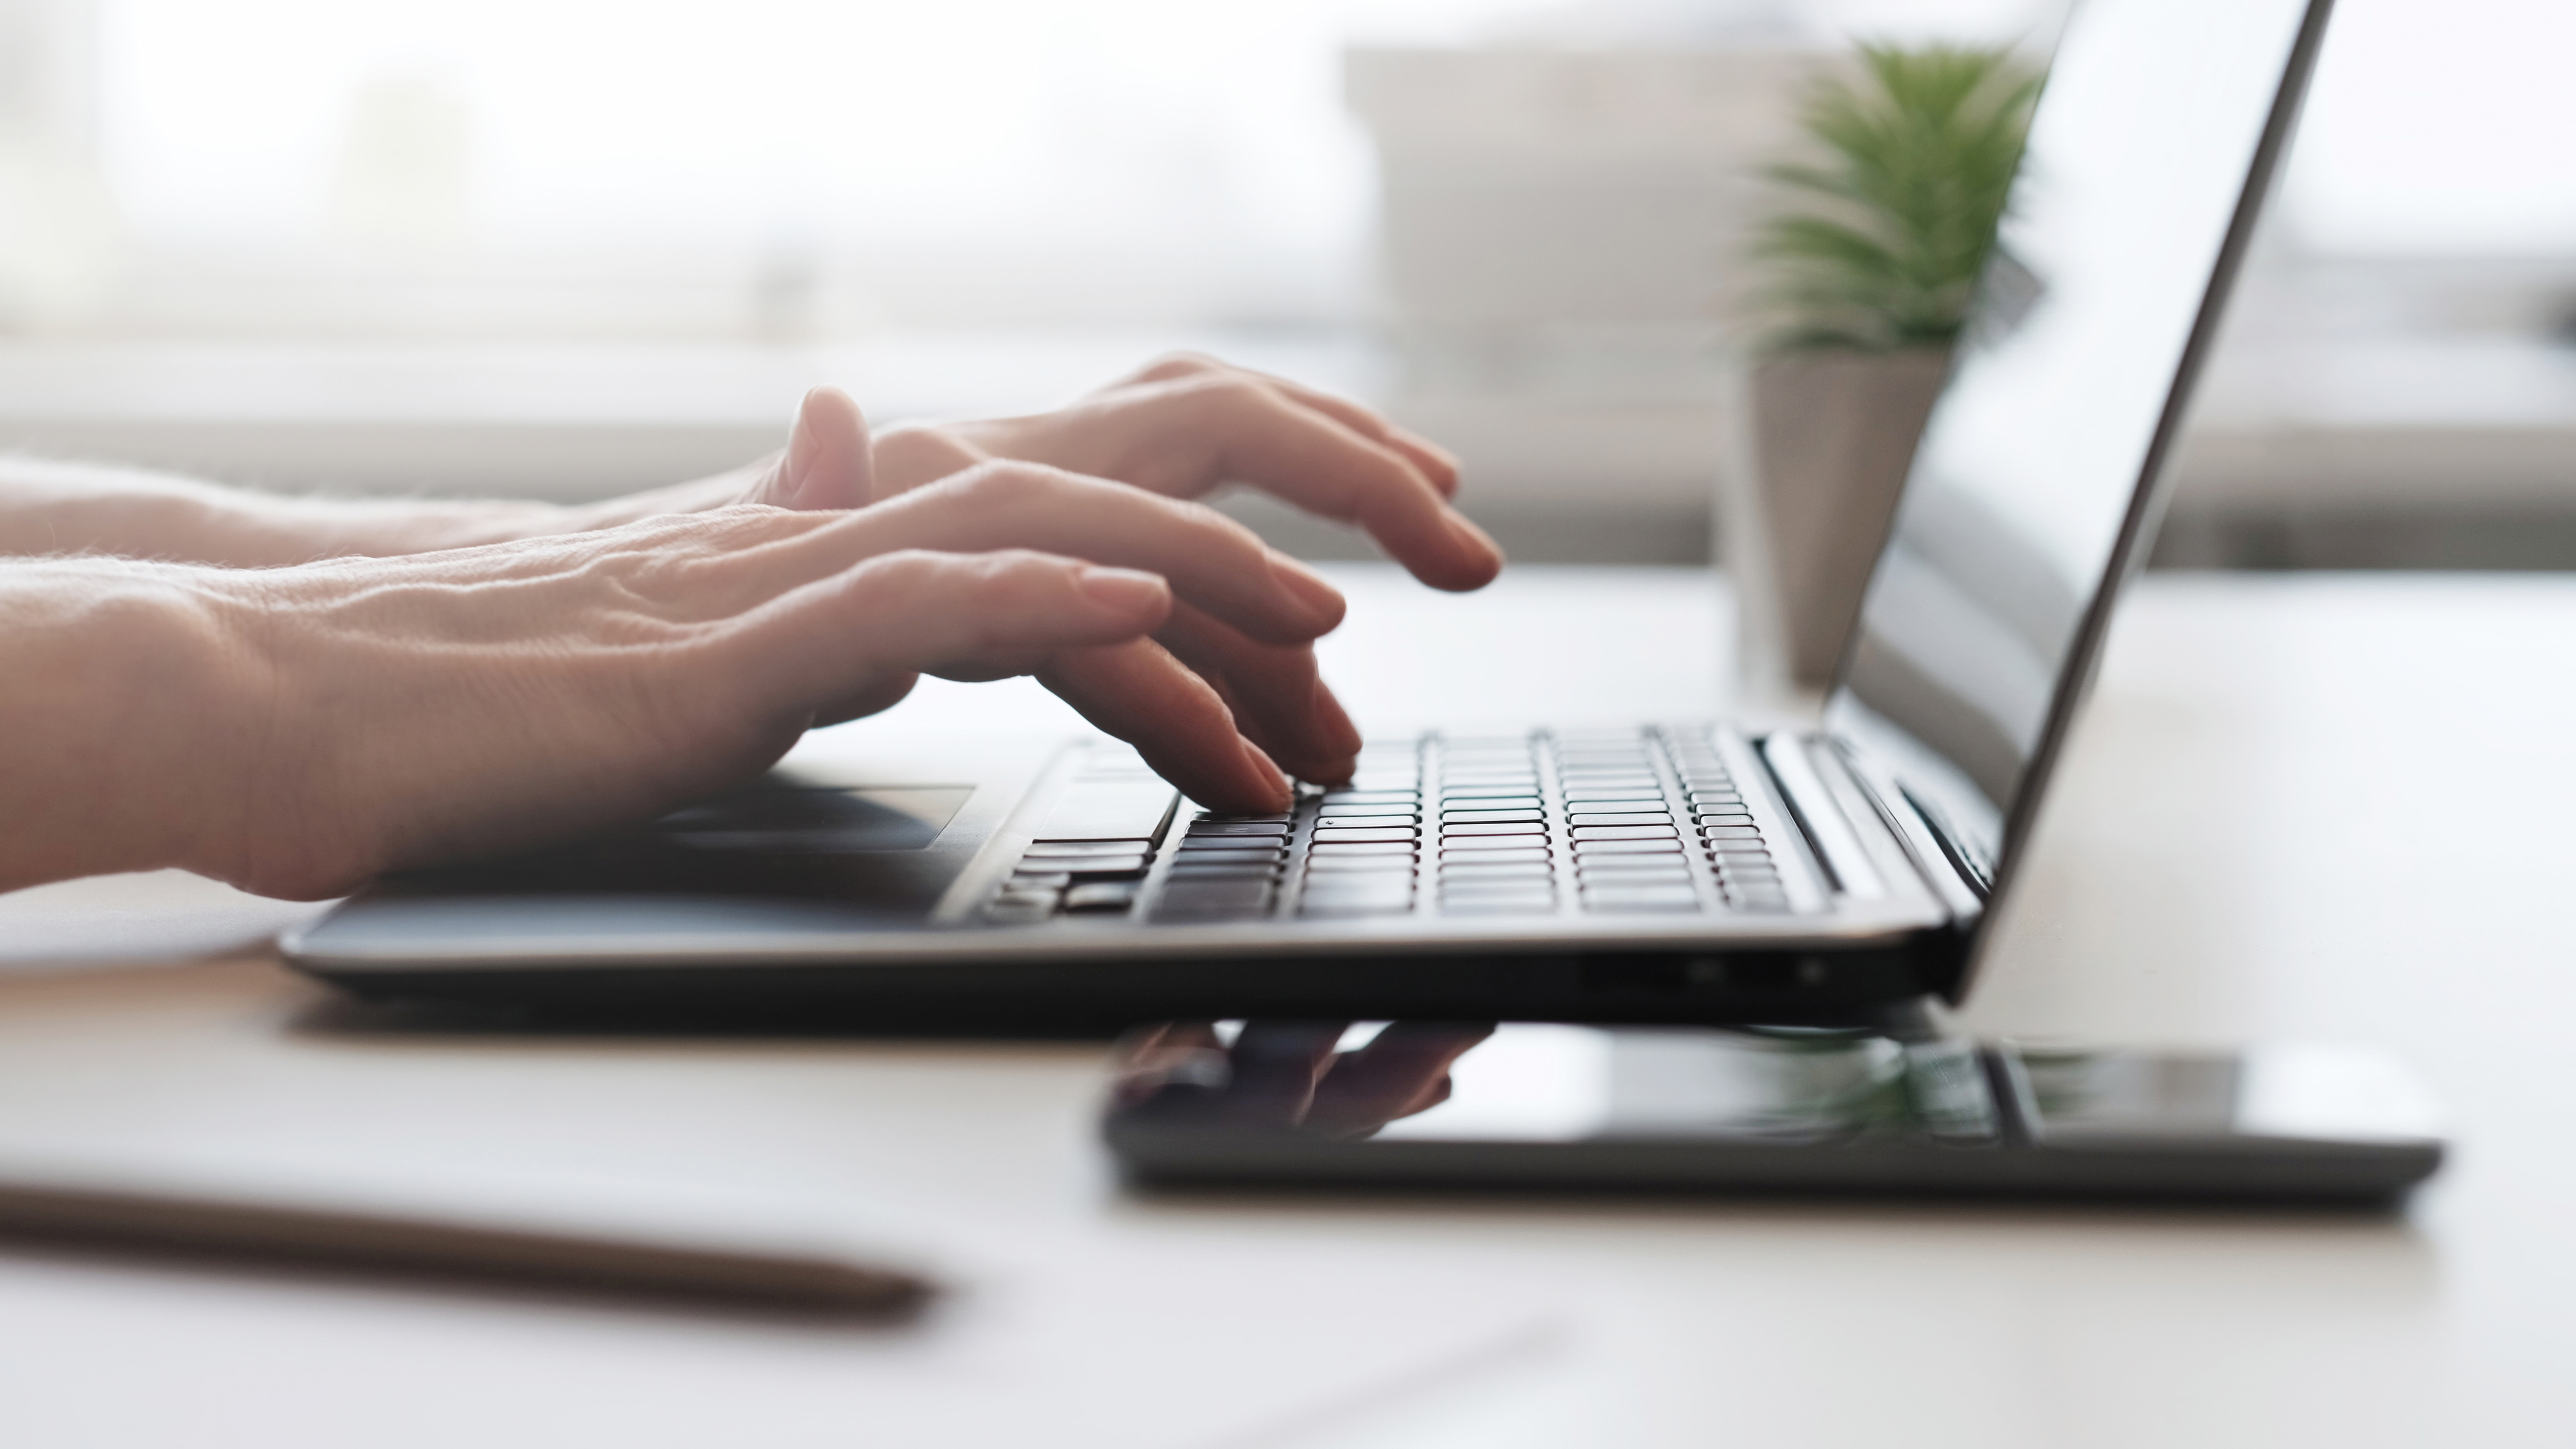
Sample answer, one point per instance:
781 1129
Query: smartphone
1893 1110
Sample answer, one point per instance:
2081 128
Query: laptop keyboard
1621 823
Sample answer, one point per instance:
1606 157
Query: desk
2317 806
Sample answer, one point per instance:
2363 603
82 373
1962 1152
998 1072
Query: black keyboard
1546 824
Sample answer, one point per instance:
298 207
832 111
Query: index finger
1316 463
1437 463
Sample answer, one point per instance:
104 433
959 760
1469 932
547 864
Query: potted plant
1870 269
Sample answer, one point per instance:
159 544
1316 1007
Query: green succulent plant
1892 225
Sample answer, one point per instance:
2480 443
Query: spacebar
1110 810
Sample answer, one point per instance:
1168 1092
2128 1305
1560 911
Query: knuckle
1015 576
902 571
910 454
1009 485
1182 363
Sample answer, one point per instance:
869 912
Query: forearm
120 708
49 508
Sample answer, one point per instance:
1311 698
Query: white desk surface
2311 807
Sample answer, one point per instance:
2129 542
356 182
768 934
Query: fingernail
1309 589
1126 592
1274 780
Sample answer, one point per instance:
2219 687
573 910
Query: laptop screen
2031 492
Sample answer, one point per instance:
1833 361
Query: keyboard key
1073 849
1348 809
1542 894
1624 817
1532 907
1634 867
1207 829
1463 817
1222 872
1481 841
1114 895
1325 850
1206 899
1593 849
1040 880
1090 865
1640 898
1221 845
1359 881
1015 897
1354 903
1017 912
1362 867
1508 899
1455 791
1370 797
1598 804
1364 835
1471 868
1365 822
1625 832
1110 810
1491 852
1730 832
1345 884
1532 826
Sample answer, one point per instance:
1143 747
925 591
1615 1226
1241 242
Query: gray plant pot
1835 433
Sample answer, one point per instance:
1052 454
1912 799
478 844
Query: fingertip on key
1267 779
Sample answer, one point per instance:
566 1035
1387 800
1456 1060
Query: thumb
827 464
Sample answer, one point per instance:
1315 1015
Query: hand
1185 425
1178 429
1286 1076
388 712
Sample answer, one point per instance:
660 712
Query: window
603 169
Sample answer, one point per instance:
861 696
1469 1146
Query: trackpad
887 850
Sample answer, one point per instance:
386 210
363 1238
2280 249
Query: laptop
1676 871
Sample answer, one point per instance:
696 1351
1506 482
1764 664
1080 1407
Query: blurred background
570 247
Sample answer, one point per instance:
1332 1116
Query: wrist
124 718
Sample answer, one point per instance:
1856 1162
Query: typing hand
1286 1075
385 712
1178 429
